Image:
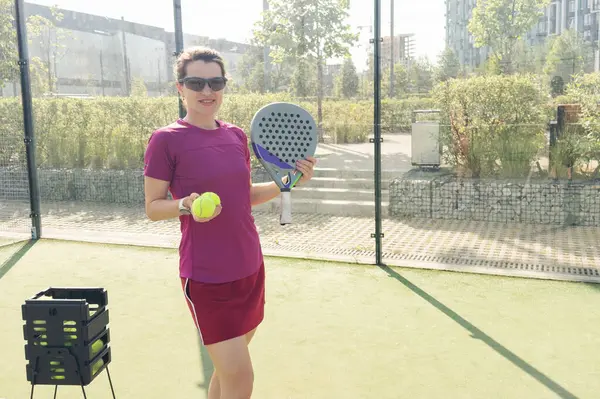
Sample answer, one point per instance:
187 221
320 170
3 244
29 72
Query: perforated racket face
281 134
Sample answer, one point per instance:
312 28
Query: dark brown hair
197 54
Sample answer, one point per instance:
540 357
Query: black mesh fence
470 143
14 182
102 87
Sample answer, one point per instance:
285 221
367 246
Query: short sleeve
158 162
244 140
247 150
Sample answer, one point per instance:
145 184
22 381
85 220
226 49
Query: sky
234 19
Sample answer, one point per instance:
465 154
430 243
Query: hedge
112 132
493 125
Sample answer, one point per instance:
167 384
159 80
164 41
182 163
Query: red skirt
226 310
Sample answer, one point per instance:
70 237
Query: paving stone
452 242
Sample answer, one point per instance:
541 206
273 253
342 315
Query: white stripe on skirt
187 297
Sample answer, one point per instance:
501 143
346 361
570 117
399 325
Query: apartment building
580 15
403 46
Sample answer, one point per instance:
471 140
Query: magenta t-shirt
197 160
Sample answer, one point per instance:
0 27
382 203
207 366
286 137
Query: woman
221 262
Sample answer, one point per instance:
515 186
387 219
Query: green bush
12 150
492 125
112 132
396 115
579 144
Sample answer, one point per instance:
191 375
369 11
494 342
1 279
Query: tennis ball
212 196
203 207
96 366
96 347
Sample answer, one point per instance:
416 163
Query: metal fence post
377 131
34 192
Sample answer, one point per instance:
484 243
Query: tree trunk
50 88
320 96
319 80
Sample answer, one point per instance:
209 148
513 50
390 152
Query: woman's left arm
265 192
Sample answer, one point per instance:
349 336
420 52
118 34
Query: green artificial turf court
331 330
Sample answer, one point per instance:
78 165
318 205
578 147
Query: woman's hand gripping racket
281 134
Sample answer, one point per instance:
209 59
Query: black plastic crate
67 334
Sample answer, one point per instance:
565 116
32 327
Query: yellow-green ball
96 347
96 366
203 207
213 196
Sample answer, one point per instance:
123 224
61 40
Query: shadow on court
476 333
207 367
16 257
595 286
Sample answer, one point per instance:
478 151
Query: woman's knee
233 368
239 376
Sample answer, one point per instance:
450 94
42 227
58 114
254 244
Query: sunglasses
198 84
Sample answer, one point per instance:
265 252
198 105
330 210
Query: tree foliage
39 29
568 54
448 66
500 24
303 33
346 83
495 125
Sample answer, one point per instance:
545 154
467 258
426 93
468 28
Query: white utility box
425 142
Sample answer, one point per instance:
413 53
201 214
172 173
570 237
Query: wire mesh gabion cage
67 337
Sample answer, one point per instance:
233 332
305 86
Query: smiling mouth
206 102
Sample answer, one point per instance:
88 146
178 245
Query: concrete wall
94 55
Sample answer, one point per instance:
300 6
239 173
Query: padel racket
282 133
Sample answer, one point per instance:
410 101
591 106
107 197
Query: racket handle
286 208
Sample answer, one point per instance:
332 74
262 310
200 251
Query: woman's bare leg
214 389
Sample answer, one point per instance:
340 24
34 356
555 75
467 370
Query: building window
572 6
542 27
553 8
552 27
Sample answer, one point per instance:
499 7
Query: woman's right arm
158 207
158 171
159 164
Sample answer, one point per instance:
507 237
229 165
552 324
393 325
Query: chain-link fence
484 159
14 195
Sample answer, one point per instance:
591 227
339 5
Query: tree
569 54
306 33
530 58
500 24
401 81
346 84
138 88
448 66
51 39
420 75
8 41
9 56
252 70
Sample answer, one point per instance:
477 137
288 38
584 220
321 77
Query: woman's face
207 101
